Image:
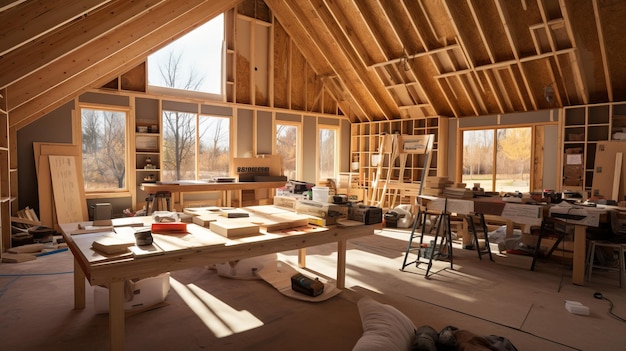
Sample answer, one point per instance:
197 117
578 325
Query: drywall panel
550 156
105 99
180 106
216 110
147 109
264 133
288 117
344 145
244 139
309 149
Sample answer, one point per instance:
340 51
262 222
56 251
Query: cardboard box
146 292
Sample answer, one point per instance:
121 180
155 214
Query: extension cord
576 307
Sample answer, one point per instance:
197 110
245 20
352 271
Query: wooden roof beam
54 45
173 22
577 69
383 102
508 63
298 30
481 31
417 30
607 75
501 87
470 96
489 76
96 50
341 21
32 19
369 30
526 86
504 17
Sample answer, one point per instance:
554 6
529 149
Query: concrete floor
206 311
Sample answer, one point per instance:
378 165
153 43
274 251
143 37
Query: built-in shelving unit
583 127
147 145
365 143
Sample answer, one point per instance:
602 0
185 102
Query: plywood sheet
69 198
604 171
41 152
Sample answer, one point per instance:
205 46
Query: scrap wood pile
443 187
29 239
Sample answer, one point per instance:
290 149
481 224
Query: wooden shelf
366 140
584 127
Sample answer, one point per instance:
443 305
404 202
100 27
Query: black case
306 285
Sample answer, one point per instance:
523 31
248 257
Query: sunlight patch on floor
219 317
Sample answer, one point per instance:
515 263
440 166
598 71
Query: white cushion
384 327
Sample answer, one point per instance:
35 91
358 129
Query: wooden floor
206 311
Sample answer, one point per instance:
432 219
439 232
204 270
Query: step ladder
478 227
438 248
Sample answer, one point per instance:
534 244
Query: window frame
337 147
298 126
495 129
178 92
196 161
129 152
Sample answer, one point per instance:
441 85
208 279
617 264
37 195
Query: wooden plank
44 183
68 192
616 176
83 29
172 18
604 171
32 19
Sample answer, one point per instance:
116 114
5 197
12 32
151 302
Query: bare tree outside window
194 147
202 57
179 145
104 149
179 128
328 153
287 148
214 148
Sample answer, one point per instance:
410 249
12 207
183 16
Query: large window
328 153
104 135
498 159
287 146
192 62
195 147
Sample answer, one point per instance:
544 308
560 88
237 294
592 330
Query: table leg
79 286
580 238
116 315
302 258
341 264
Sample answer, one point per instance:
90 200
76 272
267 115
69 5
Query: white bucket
320 193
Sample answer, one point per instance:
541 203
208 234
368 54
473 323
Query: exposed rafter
381 59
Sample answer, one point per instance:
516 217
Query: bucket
320 193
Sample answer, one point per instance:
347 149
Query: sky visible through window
200 53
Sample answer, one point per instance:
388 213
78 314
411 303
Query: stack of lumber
434 186
458 191
443 187
25 219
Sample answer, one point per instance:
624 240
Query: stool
475 223
615 247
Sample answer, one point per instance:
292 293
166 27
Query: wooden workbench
524 214
199 247
201 186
